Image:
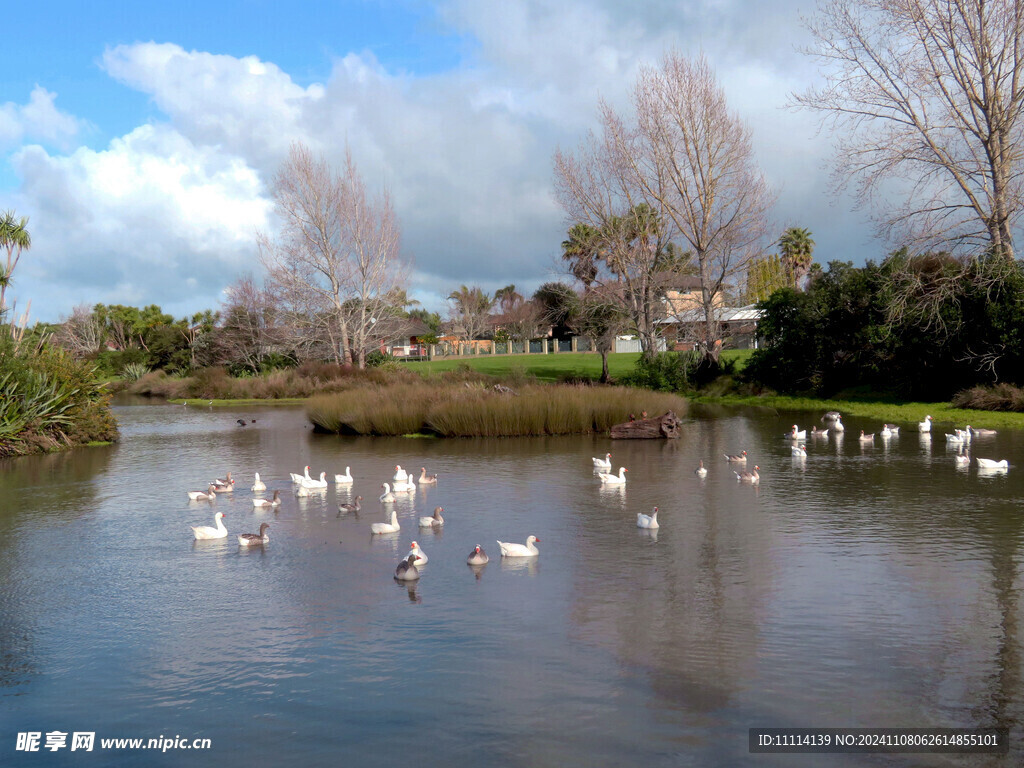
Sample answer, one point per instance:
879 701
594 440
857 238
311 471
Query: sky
141 139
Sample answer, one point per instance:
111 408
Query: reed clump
998 397
472 409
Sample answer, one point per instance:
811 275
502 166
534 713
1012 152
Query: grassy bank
451 409
894 412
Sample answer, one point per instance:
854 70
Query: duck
258 485
647 521
404 486
435 520
926 425
477 557
982 432
391 527
353 507
345 478
315 484
605 463
209 532
753 478
736 457
520 550
387 497
866 438
610 479
426 479
991 464
208 495
274 502
250 539
421 556
223 484
796 434
407 570
799 450
701 471
895 430
400 474
815 432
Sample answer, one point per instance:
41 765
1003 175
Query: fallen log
657 427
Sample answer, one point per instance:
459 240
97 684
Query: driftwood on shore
666 426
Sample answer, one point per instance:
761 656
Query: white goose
421 556
837 425
991 464
605 463
345 478
387 497
404 486
391 527
209 532
208 495
962 459
799 450
251 539
519 550
274 502
258 485
893 429
701 471
647 521
300 478
796 434
610 479
926 425
315 485
886 433
435 520
954 439
400 474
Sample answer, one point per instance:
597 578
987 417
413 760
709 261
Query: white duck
519 550
647 521
478 557
391 527
701 471
407 570
400 474
426 479
274 502
796 434
208 495
435 520
752 478
345 478
315 485
209 532
251 539
387 497
926 425
799 450
258 485
421 556
991 464
605 463
610 479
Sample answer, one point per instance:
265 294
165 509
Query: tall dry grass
453 409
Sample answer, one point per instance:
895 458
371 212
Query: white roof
725 315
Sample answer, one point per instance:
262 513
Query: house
685 330
406 341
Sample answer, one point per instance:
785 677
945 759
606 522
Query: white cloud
38 120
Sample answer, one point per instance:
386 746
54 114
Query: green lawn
549 367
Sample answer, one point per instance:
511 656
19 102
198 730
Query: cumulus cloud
167 212
38 120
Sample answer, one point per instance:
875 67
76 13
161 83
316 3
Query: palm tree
797 254
507 297
14 236
581 251
471 309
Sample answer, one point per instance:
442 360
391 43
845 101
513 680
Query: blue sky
141 138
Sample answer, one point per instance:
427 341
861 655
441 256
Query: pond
864 586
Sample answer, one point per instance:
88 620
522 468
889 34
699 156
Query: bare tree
80 334
598 314
247 334
337 256
928 93
684 169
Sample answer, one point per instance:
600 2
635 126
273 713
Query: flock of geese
401 484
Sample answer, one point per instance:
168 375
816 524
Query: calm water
859 587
